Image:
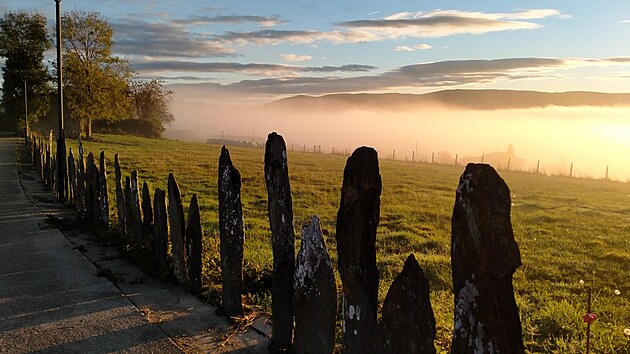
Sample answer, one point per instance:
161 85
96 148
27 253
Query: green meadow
568 230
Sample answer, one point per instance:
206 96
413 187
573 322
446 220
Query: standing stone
160 230
53 174
81 179
282 240
147 217
47 176
102 193
357 221
120 198
72 177
178 230
408 324
129 236
315 294
135 219
193 246
232 235
484 256
92 189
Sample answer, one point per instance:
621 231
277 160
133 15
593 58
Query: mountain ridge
487 99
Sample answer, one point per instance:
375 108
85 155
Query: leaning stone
408 325
231 234
160 230
193 246
178 230
134 227
282 239
315 294
120 198
484 256
104 200
357 221
147 217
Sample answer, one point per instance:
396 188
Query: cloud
404 48
295 57
262 21
625 21
441 23
142 38
254 69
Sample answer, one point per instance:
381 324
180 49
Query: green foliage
567 229
95 81
152 107
23 41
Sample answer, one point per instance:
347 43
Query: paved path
50 299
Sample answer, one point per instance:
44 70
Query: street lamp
61 139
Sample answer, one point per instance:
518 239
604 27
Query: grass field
567 229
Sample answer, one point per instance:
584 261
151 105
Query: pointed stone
134 227
408 324
102 192
484 256
147 217
178 230
81 190
193 246
357 221
129 237
232 235
160 230
72 178
315 294
92 190
120 198
282 239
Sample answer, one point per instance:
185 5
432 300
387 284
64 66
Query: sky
257 51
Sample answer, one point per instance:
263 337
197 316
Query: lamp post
61 139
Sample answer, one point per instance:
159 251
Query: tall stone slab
92 190
357 220
134 227
81 191
407 324
315 294
160 230
129 235
72 178
120 198
193 246
232 235
484 256
282 239
177 227
147 217
102 191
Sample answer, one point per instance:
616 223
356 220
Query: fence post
282 238
193 246
160 230
120 199
315 294
484 256
147 217
231 234
104 200
134 225
357 220
408 324
178 229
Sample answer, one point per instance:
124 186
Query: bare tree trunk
89 128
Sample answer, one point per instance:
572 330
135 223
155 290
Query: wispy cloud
254 69
404 48
295 57
262 21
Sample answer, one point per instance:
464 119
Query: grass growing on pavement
567 229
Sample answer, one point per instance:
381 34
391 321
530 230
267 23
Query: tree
152 105
23 41
95 80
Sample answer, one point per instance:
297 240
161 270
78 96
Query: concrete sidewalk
50 299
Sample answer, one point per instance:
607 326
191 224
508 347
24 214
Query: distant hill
463 99
181 134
